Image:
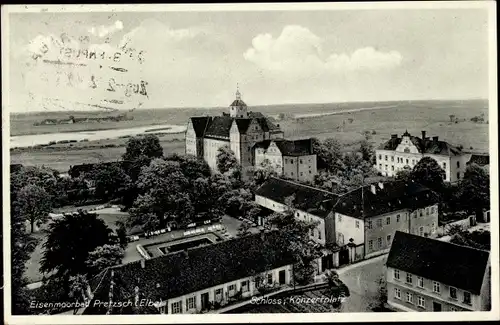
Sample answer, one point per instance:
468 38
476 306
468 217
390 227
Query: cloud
103 31
298 50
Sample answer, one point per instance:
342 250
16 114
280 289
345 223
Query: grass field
431 116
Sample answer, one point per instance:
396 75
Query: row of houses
359 224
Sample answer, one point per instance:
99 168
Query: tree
35 204
244 229
225 159
143 146
77 289
474 190
336 288
103 257
296 233
328 154
22 245
428 172
69 242
480 239
121 234
367 152
404 174
111 181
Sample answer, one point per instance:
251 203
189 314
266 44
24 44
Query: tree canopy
428 172
225 159
474 189
34 203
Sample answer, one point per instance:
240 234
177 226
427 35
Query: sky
196 59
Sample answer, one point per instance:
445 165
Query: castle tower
238 108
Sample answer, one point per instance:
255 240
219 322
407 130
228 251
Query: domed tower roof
238 101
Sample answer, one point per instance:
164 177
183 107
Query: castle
253 138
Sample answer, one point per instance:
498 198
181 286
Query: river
40 139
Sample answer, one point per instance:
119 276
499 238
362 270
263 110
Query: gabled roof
396 195
200 124
458 266
478 159
429 146
301 147
308 199
264 122
220 126
184 272
243 124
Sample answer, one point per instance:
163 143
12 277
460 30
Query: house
311 204
425 274
369 216
359 224
403 152
197 279
293 159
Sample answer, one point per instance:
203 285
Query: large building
253 138
198 279
240 130
425 274
406 151
292 159
359 224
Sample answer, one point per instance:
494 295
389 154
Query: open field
431 116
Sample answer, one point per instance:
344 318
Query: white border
278 318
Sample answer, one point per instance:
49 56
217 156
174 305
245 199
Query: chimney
394 136
143 263
423 135
435 139
374 190
381 185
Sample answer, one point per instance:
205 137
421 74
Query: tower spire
238 94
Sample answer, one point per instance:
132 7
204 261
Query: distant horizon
249 106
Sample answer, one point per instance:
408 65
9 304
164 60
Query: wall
273 154
442 298
211 291
191 148
306 168
382 232
346 226
485 296
234 136
428 221
318 235
211 147
290 167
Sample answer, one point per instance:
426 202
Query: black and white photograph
250 162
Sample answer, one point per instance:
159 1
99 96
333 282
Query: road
362 280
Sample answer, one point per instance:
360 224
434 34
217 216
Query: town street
362 279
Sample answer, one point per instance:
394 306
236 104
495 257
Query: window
392 167
458 164
386 167
413 161
467 298
458 175
432 209
300 161
231 288
380 157
427 211
310 172
421 213
370 225
397 218
444 165
380 166
379 223
340 218
436 287
453 293
176 307
244 286
409 278
388 240
385 157
421 231
407 161
270 278
291 173
421 302
409 297
420 282
291 161
379 242
357 224
218 292
407 150
392 158
388 220
453 309
397 293
301 174
396 274
319 234
191 303
370 245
